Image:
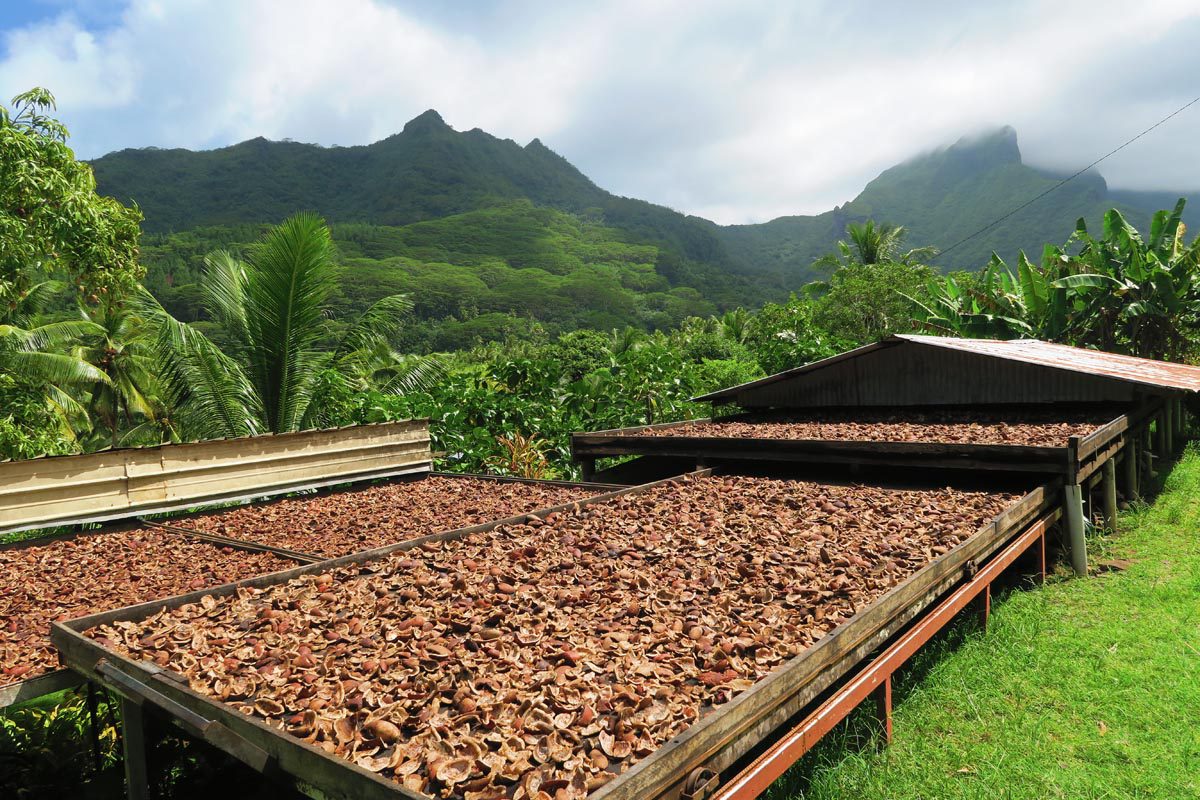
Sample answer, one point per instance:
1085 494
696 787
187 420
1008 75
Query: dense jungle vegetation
510 325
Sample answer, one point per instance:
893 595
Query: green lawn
1079 689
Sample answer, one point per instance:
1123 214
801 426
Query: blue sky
737 111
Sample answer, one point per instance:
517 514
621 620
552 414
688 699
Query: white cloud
736 111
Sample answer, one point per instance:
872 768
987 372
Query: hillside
427 171
430 171
477 276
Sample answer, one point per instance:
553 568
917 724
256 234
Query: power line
1064 181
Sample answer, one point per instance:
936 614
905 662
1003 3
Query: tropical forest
510 317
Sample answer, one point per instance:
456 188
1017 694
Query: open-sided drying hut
936 403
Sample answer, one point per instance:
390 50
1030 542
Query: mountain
426 171
430 171
943 197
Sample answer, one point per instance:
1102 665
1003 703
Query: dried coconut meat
69 578
336 524
931 427
541 660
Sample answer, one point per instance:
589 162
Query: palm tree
1118 293
120 349
872 243
273 306
735 325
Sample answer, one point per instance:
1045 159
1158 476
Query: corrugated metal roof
1145 371
1131 369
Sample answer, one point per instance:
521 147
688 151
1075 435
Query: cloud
735 111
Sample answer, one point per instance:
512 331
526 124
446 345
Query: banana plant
1132 295
1117 292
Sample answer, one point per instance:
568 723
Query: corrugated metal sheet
1145 371
111 484
1050 358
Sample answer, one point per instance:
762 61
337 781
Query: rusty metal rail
876 678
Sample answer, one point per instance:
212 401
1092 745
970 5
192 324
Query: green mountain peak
427 122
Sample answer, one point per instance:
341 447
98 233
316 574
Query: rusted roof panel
1130 369
1161 374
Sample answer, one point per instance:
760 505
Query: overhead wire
1064 181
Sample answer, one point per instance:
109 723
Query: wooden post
1147 452
1169 430
1132 456
133 739
1180 430
1110 495
587 467
1073 513
1161 448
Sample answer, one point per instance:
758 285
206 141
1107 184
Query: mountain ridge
429 170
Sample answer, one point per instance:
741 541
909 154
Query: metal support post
1073 513
985 607
883 709
133 739
1110 495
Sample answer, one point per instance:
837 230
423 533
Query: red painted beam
876 677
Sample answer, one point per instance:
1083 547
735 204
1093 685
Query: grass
1079 689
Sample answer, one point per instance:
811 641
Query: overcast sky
736 111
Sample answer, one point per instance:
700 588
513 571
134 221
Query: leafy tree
1134 295
51 218
28 426
581 352
865 302
36 357
272 305
783 336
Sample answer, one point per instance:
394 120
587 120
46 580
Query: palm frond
224 287
50 335
210 392
377 326
291 277
71 415
55 369
414 374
